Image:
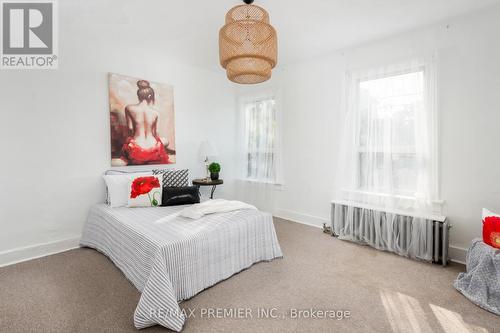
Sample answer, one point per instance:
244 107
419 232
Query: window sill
257 181
438 202
435 209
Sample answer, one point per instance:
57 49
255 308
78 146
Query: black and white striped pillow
174 178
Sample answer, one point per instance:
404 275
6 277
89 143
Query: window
389 149
386 138
260 140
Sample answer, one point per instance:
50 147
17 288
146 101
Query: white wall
468 55
54 127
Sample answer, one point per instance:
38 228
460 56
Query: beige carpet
82 291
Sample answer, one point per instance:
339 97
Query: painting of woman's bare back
142 121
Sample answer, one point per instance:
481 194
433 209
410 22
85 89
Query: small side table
209 182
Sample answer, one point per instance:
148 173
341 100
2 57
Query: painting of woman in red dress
142 122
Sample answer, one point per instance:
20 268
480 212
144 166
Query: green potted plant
214 169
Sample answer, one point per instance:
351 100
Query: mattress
170 258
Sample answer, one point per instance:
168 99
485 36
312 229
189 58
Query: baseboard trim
310 220
457 254
10 257
26 253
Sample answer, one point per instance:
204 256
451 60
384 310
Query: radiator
414 236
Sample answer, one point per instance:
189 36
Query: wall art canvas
142 121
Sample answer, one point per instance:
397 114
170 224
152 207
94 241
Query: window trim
422 68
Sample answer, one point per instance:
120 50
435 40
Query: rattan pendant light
248 44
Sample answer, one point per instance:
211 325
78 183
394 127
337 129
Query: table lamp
207 150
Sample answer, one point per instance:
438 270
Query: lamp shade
248 45
207 149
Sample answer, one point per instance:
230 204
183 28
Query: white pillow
118 188
487 213
145 191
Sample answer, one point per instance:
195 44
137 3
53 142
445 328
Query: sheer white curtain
259 150
259 130
389 149
387 180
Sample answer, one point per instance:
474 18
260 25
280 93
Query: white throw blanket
197 211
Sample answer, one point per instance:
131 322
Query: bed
170 258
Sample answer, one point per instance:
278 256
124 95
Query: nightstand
204 182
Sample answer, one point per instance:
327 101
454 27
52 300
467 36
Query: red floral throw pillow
145 191
491 231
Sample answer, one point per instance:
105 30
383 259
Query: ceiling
188 30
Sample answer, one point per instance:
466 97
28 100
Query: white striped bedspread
173 259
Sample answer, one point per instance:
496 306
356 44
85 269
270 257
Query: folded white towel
197 211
